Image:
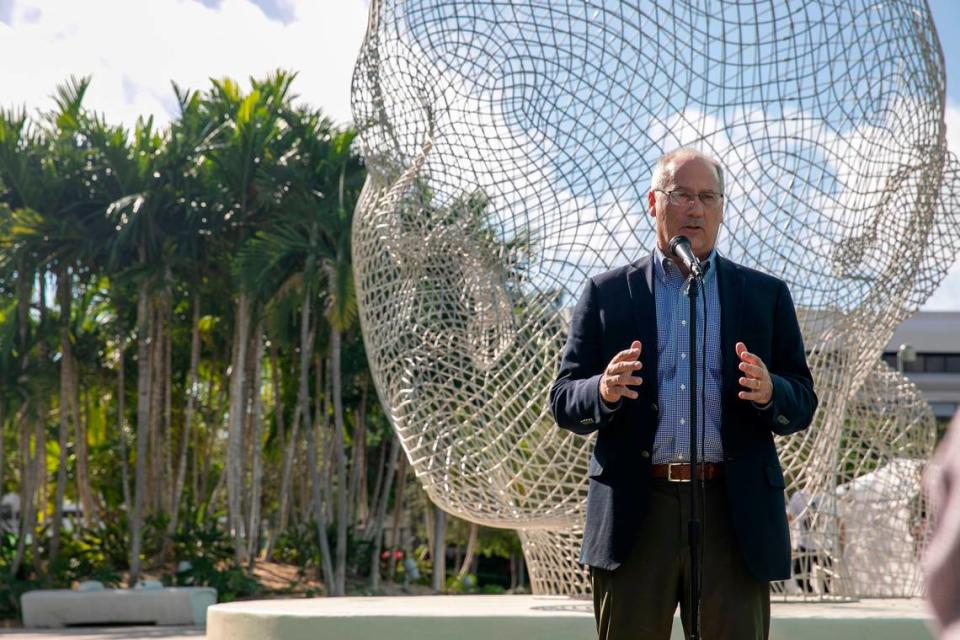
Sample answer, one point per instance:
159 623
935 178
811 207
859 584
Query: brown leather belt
680 471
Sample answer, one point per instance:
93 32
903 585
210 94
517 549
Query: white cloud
947 295
134 48
952 116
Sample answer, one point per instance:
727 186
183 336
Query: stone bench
160 606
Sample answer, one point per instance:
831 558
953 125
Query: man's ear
652 200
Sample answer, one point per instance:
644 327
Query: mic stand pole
693 526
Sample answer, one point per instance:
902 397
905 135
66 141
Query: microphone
680 248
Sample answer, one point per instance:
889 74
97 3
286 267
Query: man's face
697 221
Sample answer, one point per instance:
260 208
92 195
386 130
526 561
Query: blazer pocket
775 477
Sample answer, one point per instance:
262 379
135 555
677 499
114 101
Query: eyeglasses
710 199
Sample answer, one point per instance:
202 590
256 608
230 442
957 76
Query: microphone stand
693 526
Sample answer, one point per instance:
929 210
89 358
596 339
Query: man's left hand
756 379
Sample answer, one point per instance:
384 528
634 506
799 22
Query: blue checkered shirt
672 442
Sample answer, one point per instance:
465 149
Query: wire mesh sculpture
509 146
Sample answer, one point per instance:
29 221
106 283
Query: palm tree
140 188
53 189
20 141
284 256
241 156
220 247
341 311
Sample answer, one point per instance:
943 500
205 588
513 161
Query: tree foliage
178 334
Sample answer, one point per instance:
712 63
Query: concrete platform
106 633
52 608
527 617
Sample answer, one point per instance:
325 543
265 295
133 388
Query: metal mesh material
510 145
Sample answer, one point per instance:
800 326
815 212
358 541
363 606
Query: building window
953 363
927 362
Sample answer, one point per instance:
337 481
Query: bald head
663 171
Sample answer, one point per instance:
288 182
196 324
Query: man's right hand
618 377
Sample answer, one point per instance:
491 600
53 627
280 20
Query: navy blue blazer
618 307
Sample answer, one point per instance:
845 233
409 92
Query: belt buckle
670 468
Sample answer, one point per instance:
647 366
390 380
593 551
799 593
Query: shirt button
682 421
683 355
683 387
683 322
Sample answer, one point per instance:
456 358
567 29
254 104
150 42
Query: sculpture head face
693 174
499 179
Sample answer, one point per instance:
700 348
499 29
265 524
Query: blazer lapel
640 280
730 288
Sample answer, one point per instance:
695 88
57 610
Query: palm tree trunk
341 459
378 483
357 511
122 421
83 399
234 467
319 518
217 488
376 533
24 292
251 390
400 492
61 465
200 461
144 370
27 488
256 482
87 500
323 409
471 551
307 338
70 399
439 550
276 383
167 433
192 385
155 451
278 413
40 444
63 294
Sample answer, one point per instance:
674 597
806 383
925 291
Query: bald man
624 374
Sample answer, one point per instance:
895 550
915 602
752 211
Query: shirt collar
663 265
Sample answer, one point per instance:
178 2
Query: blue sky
134 48
946 15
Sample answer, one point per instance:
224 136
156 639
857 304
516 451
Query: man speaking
624 373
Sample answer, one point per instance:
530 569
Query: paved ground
107 633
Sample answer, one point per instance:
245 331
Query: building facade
927 348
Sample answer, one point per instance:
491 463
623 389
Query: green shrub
465 584
206 557
12 587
